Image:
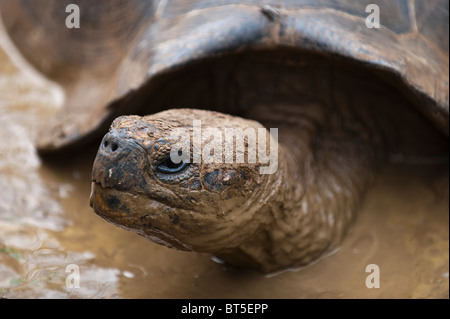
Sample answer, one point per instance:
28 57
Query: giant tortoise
338 97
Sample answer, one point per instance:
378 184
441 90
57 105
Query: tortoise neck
323 173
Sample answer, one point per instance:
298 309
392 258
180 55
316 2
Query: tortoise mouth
107 202
119 208
111 204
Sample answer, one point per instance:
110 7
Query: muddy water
47 225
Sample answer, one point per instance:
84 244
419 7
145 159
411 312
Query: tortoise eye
166 166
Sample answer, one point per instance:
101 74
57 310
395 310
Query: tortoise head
148 178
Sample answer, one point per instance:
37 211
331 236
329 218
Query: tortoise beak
121 163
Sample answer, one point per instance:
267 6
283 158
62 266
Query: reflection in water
46 224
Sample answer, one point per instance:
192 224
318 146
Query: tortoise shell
126 52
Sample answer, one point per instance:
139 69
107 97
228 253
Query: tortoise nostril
110 144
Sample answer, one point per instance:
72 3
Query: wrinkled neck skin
314 195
